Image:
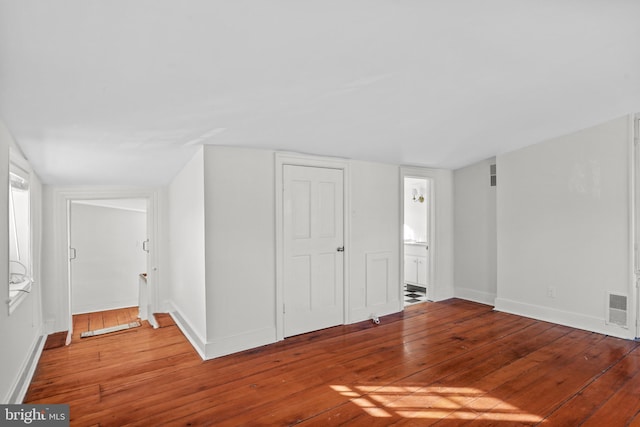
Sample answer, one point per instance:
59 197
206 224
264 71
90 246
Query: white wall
563 210
186 292
109 257
53 292
20 332
240 248
240 244
374 269
475 233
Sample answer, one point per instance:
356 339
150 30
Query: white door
313 249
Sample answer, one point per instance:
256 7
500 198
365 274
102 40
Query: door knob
340 249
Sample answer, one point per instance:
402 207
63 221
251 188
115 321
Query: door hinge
283 309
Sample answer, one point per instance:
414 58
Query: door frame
295 159
61 216
634 170
419 173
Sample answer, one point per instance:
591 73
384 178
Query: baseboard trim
197 342
565 318
440 293
239 342
19 389
223 345
475 296
361 314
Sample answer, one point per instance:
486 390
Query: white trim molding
475 296
561 317
19 388
62 197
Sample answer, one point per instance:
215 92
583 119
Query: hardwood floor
102 319
447 363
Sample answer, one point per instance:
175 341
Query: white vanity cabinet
416 264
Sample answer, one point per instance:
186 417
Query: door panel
423 270
313 232
326 209
301 193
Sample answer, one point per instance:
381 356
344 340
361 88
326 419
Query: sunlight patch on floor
463 403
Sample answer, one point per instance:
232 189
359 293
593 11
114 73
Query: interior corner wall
240 248
186 284
374 270
475 233
563 212
21 330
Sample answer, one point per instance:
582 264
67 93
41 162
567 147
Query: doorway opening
416 239
108 263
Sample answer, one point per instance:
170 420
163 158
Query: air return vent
617 309
492 175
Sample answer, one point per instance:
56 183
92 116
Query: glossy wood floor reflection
447 363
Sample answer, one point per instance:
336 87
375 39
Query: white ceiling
122 91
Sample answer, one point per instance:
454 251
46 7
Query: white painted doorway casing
635 219
313 249
61 199
282 160
432 244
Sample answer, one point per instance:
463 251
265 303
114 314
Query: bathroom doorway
416 239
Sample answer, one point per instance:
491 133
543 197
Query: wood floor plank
498 395
110 318
624 404
469 368
96 321
358 371
356 366
584 404
436 363
80 324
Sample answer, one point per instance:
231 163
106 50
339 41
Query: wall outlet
551 292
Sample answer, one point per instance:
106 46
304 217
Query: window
20 273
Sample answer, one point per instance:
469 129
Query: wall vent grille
492 175
617 309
